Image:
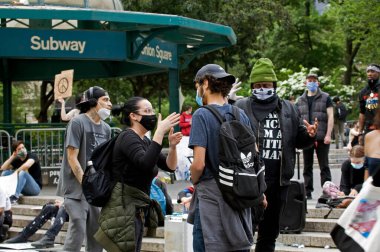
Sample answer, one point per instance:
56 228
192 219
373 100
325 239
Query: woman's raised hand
163 126
174 138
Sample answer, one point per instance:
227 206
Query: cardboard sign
63 84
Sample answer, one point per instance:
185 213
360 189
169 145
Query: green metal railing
46 142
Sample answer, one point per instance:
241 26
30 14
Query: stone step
60 238
332 160
308 239
298 248
37 200
319 225
316 166
312 225
23 214
313 212
148 244
26 210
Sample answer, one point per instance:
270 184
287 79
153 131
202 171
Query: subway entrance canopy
39 40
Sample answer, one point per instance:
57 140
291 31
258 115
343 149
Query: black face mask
371 83
148 121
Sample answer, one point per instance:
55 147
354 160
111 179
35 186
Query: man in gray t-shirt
83 134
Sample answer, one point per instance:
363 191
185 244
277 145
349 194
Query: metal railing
47 144
5 146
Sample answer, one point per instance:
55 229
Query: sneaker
308 196
17 239
4 232
44 242
13 199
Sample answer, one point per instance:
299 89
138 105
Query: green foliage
292 33
294 85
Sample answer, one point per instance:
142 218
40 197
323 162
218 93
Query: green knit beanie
263 70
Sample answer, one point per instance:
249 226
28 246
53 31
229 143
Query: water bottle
91 167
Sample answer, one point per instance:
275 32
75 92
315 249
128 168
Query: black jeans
269 227
322 151
48 211
5 219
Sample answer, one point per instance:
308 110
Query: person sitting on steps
5 215
52 210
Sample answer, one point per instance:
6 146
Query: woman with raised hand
136 160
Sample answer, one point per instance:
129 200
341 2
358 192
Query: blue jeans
25 185
198 242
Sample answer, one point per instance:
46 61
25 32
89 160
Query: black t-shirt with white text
270 146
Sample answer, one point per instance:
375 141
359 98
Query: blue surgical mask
199 99
357 166
312 86
263 93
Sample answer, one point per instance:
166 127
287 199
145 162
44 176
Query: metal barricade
5 146
47 144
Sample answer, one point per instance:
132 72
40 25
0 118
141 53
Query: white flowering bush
294 85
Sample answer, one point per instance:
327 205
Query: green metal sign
157 52
62 44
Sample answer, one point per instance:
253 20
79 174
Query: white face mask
263 93
104 113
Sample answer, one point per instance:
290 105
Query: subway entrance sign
39 41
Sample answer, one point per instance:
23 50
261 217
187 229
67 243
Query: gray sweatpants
83 220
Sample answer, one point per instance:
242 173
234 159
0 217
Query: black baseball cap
312 75
215 71
92 93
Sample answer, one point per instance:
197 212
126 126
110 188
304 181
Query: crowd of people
279 127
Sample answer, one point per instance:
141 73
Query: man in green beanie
280 130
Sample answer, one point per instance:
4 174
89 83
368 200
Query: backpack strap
235 113
215 112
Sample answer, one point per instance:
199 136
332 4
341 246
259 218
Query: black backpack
97 185
241 173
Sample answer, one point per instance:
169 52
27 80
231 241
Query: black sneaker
13 199
44 242
3 232
308 196
17 239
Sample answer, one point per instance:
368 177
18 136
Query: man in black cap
369 100
217 227
84 132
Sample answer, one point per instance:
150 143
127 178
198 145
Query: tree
247 19
46 99
304 37
358 21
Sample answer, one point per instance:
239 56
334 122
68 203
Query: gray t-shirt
85 135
